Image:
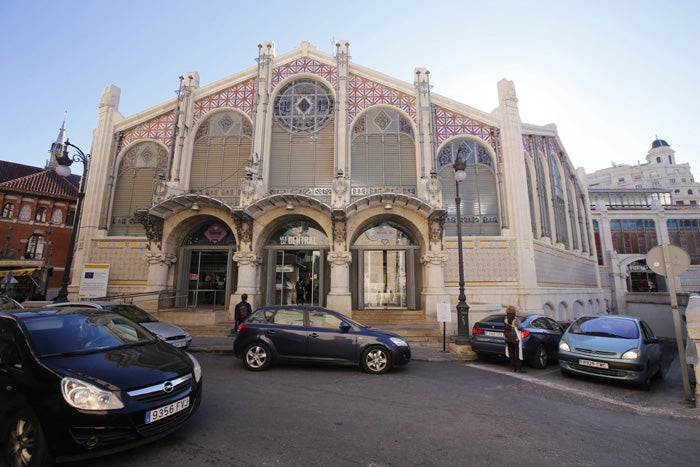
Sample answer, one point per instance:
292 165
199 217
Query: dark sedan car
315 334
540 337
78 383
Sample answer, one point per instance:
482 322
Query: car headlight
197 368
398 342
86 396
632 354
564 346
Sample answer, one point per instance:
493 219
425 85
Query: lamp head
63 170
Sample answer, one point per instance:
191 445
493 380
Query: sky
613 75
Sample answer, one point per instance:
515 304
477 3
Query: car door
548 333
326 341
651 344
286 332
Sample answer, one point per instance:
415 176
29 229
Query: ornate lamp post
462 307
63 169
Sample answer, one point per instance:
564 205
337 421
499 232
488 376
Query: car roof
90 303
29 313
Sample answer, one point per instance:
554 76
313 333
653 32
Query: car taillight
476 330
524 333
241 327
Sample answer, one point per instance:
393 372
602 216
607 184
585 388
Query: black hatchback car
78 383
318 335
540 337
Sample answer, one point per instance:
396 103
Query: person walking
514 344
300 287
241 311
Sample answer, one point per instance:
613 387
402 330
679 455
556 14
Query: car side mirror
344 326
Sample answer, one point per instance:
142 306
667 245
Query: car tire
646 384
376 360
541 358
23 440
257 357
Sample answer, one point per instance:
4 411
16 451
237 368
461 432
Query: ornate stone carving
153 226
436 223
339 258
339 218
436 259
244 227
159 257
247 258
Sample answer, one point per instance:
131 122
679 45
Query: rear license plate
179 344
167 410
593 364
493 333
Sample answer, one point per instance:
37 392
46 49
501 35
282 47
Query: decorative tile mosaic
241 97
303 65
363 94
449 124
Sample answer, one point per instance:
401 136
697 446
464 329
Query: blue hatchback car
621 348
318 335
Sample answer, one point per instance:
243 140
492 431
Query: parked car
315 334
621 348
9 303
80 382
540 337
170 333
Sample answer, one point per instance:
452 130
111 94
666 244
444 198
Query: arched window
479 197
558 200
383 153
303 144
545 223
222 150
35 247
8 211
40 215
138 171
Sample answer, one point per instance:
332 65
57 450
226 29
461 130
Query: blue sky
611 74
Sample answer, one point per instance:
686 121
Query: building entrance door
298 277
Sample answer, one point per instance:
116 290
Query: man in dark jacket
242 311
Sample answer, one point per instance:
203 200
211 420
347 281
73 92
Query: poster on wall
93 283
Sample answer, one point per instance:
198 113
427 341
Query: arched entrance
296 270
206 272
387 275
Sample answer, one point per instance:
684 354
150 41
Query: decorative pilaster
244 229
159 264
434 291
339 297
248 265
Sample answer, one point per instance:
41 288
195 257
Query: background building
36 220
309 167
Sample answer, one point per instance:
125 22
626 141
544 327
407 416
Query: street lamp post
462 306
63 169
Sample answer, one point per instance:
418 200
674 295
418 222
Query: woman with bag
514 344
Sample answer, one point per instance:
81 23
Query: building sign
93 283
215 233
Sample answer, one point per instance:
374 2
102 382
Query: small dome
657 143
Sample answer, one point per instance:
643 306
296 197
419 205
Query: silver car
170 333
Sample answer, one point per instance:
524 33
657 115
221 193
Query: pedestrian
241 311
300 287
514 344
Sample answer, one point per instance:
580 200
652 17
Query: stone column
434 290
339 297
158 267
248 264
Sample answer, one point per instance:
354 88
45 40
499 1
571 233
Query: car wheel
541 358
257 357
23 440
376 360
481 356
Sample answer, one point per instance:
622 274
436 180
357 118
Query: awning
19 272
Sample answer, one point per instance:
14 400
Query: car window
539 323
646 330
132 312
551 324
605 326
288 317
323 319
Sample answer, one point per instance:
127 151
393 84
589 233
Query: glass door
385 279
207 278
297 277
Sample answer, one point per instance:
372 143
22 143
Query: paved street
438 411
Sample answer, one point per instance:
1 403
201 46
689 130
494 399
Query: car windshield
605 326
132 312
61 334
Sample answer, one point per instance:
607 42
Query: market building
309 167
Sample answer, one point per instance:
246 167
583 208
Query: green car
613 347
